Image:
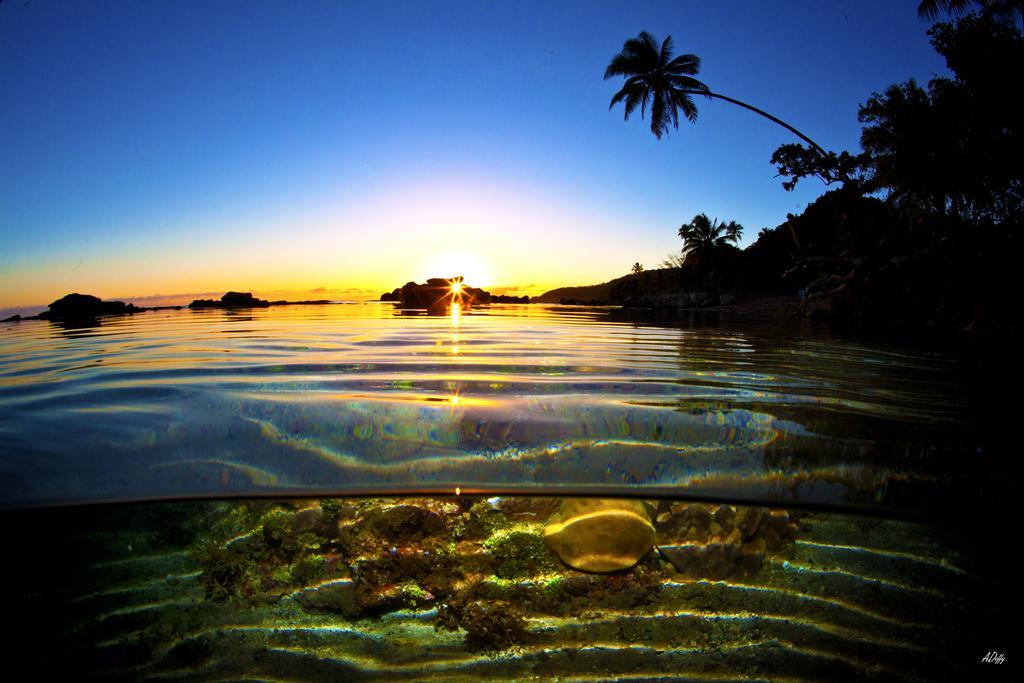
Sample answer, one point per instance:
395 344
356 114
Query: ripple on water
355 397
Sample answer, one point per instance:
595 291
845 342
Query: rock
231 300
305 302
518 554
702 299
494 625
438 294
85 307
600 535
338 595
713 560
707 541
524 508
406 523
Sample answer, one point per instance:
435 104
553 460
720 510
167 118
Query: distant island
439 293
247 300
83 308
86 307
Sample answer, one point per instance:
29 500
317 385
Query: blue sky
144 142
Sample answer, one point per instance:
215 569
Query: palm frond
634 98
701 222
933 9
672 108
687 65
659 124
666 52
625 64
619 96
687 83
646 41
685 102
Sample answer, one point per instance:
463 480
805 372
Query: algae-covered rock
519 552
489 625
717 542
600 535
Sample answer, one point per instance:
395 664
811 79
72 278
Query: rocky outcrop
85 307
232 300
440 293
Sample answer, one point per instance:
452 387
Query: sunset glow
241 160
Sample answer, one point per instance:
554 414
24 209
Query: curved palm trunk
768 116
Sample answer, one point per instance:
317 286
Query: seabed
465 588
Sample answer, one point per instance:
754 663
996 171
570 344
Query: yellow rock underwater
600 535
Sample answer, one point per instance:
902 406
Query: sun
472 267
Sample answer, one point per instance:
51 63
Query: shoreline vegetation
920 230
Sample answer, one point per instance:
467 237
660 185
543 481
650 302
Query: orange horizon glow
499 235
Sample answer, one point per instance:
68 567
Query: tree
638 267
952 149
797 162
1003 10
665 84
703 236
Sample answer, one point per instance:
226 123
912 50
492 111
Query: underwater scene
500 588
511 341
357 491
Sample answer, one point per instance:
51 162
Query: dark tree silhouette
1006 10
638 267
665 84
702 235
797 162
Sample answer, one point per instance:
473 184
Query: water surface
368 398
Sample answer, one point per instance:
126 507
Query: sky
152 151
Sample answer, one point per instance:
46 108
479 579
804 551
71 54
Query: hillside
583 293
634 284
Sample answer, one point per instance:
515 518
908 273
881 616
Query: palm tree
638 267
702 235
665 84
1009 10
